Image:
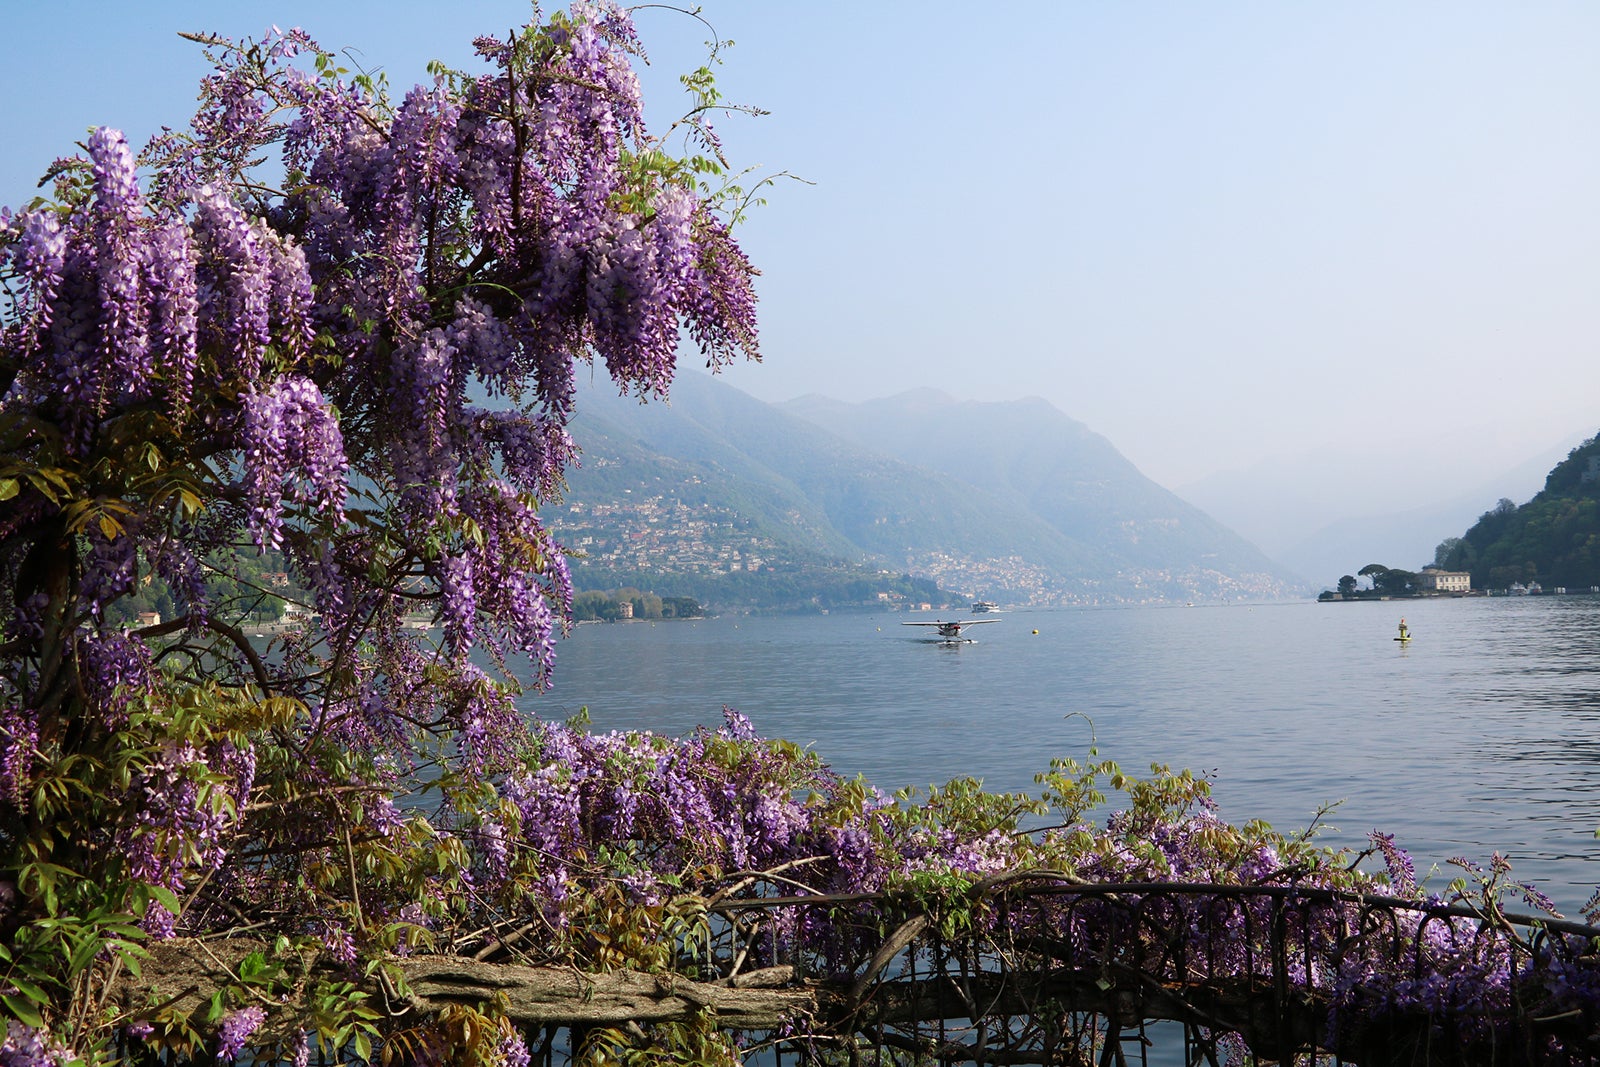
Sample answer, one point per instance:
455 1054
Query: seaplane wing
953 628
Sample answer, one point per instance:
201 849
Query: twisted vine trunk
182 974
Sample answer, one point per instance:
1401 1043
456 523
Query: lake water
1482 733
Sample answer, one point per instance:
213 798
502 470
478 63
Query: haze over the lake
1352 245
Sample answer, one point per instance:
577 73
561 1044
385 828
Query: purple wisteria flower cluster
27 1046
362 364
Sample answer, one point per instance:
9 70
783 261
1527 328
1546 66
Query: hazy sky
1218 233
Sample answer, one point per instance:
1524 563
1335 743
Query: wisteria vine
362 363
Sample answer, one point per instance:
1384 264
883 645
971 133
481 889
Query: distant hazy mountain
1011 501
1283 506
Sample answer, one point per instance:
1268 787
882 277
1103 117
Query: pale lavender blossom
235 272
25 1046
236 1028
294 453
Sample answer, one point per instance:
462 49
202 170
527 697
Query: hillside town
661 533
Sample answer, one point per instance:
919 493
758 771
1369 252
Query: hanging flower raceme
294 453
169 279
236 280
118 243
39 255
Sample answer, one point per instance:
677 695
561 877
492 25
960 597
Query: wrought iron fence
1047 971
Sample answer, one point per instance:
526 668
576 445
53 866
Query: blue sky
1357 241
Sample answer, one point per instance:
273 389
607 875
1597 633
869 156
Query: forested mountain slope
1553 539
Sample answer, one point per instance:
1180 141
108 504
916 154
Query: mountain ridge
1026 505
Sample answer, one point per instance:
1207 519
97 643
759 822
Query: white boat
980 607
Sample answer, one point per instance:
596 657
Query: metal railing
1047 971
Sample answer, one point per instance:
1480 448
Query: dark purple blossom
1402 874
19 741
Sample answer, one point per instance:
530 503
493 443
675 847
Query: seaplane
950 632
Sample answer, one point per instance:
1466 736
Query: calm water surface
1483 733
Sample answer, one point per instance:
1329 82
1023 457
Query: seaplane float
950 632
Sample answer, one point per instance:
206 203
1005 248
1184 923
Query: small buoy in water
1036 631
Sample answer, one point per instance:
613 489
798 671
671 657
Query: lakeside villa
1434 580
